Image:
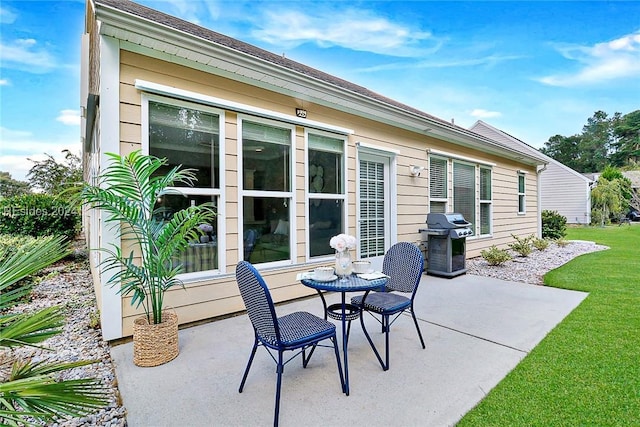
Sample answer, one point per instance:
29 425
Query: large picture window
325 175
188 135
267 192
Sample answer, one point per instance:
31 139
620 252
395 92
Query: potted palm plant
127 192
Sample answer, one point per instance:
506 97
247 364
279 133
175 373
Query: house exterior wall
218 295
117 66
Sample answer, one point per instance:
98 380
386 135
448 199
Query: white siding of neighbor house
561 188
566 193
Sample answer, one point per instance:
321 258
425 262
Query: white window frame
213 192
449 185
476 195
291 195
485 202
325 196
522 196
447 179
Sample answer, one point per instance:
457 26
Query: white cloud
602 62
25 55
489 61
485 114
18 146
69 117
5 82
352 29
6 16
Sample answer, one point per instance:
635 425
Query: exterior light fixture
415 170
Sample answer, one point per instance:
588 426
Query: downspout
539 170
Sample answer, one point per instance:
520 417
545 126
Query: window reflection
186 137
266 229
325 221
189 138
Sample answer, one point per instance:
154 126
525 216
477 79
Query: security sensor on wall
415 170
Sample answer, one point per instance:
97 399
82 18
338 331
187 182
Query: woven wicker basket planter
154 345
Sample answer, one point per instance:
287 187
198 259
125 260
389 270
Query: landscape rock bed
532 269
69 284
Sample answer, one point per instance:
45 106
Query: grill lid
446 220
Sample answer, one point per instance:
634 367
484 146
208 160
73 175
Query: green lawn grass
586 372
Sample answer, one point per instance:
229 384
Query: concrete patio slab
476 330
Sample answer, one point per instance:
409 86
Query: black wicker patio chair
403 263
295 331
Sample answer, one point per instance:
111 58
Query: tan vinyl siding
218 295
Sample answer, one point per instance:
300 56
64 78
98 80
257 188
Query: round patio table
343 311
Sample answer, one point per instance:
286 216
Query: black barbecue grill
445 238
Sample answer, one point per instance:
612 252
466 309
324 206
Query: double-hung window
438 185
325 181
472 191
522 202
267 190
464 191
485 200
188 135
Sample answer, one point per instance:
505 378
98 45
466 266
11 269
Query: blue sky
532 69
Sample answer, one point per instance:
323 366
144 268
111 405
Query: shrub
38 215
540 244
9 244
562 243
554 225
495 256
522 245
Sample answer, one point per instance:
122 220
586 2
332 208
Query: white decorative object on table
323 273
343 243
362 266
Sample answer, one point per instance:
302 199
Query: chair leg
417 327
334 340
279 370
373 347
246 371
305 359
386 341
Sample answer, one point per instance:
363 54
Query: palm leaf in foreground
29 393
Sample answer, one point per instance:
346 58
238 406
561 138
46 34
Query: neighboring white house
561 188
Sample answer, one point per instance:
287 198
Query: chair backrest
403 263
257 300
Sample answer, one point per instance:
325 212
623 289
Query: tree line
46 176
604 141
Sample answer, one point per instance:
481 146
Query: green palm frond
127 192
45 399
26 260
30 328
30 392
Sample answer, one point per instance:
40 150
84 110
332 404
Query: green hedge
38 215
